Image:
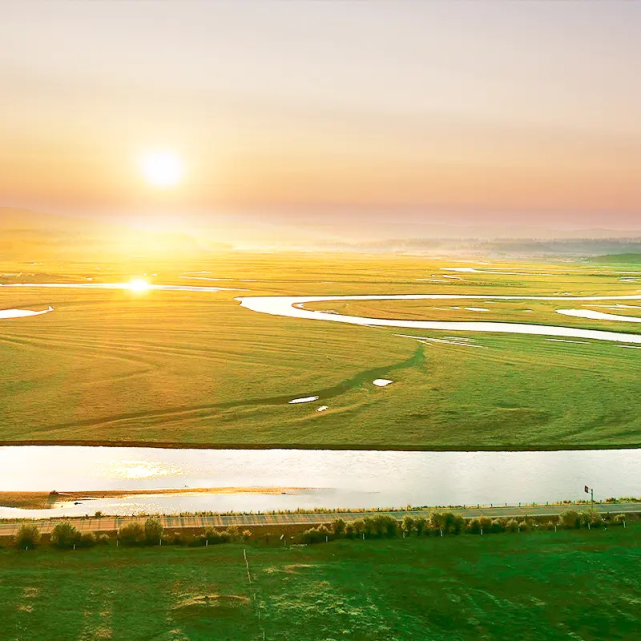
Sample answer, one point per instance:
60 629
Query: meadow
544 585
195 369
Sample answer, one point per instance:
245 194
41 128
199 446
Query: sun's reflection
137 469
138 285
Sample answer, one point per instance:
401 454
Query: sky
365 118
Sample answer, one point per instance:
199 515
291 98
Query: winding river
293 306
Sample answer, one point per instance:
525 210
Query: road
114 523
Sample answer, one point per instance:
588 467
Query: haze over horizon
366 121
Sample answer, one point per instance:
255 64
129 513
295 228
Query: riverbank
48 500
352 447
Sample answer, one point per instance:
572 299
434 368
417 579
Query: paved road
111 523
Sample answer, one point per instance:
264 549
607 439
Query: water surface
327 478
293 306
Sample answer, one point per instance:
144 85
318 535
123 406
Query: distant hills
33 236
624 259
500 247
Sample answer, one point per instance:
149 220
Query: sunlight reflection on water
289 479
141 469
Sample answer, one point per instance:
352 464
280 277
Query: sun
138 285
162 168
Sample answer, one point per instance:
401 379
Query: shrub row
151 532
442 523
384 526
64 536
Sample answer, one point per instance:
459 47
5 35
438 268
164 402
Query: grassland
546 585
194 368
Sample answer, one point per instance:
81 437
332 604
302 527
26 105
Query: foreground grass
566 585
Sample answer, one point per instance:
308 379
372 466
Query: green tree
454 524
27 536
215 536
87 540
369 527
153 530
385 526
570 520
486 524
593 519
318 534
497 525
474 526
132 533
437 522
233 532
512 525
65 535
408 525
358 527
338 527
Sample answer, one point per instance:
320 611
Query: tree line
65 535
447 523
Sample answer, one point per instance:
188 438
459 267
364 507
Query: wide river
311 478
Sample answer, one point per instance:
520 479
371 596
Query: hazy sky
462 112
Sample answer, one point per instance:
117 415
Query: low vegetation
80 362
65 536
442 523
533 586
28 536
151 532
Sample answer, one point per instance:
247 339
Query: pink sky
519 113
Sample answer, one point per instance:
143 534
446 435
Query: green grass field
195 368
541 586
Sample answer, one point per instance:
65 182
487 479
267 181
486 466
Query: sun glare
162 169
138 285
